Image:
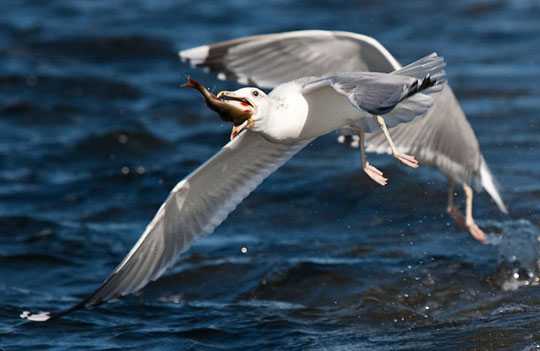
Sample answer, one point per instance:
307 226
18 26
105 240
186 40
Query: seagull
443 139
270 129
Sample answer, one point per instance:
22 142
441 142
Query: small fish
230 108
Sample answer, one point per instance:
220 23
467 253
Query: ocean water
94 132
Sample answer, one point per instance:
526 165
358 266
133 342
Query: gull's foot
477 233
375 174
460 221
407 160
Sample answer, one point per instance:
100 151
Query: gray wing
430 141
271 59
194 208
401 96
445 139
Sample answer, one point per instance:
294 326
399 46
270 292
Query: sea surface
95 131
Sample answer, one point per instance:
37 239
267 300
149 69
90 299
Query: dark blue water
94 132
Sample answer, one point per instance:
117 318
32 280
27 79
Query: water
94 132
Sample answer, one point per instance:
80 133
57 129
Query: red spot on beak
244 103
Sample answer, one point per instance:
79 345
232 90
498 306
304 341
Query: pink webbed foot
477 233
375 174
407 160
472 228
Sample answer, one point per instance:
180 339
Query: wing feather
194 208
401 96
271 59
443 138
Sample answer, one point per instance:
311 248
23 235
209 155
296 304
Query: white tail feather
489 184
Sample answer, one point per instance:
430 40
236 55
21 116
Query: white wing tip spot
195 55
35 317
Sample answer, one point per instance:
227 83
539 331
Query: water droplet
244 250
140 170
122 138
125 170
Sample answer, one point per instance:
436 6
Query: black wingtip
419 86
427 82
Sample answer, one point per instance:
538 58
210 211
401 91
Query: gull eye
255 93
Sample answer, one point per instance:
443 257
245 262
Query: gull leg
408 160
371 171
453 210
474 230
450 195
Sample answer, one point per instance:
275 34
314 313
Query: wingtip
194 55
35 317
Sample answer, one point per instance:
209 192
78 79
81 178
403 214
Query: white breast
287 116
296 117
327 112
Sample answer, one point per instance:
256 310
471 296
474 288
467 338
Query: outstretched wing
195 207
271 59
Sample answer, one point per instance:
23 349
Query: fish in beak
231 108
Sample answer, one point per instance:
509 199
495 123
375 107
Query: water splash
518 245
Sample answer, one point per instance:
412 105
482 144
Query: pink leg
407 160
371 171
465 222
475 231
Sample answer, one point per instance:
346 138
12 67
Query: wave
109 48
78 86
119 142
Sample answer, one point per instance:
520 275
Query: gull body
443 139
270 130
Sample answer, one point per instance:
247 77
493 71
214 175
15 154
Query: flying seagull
443 139
270 129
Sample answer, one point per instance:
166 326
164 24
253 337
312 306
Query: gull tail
416 100
431 66
489 184
429 72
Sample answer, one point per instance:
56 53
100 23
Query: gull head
238 107
253 103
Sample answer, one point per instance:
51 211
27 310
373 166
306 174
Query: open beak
239 108
230 107
227 96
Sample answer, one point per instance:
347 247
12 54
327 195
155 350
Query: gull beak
235 109
229 106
